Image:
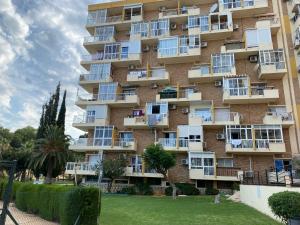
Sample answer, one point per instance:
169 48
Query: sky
40 45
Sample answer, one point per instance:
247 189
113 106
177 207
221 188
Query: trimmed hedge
61 203
183 189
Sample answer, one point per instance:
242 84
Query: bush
211 191
169 191
235 186
187 189
128 190
285 205
3 185
143 189
59 203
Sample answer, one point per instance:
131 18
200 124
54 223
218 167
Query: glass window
257 37
100 71
225 162
236 86
104 33
107 91
139 28
222 62
159 27
204 113
168 47
103 136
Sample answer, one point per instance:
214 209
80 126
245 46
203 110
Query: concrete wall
257 196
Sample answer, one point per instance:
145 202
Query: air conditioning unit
203 44
173 26
185 162
185 26
154 86
155 48
218 83
253 58
297 43
249 174
131 67
235 26
220 136
172 107
185 110
146 48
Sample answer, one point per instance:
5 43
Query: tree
161 161
51 151
62 113
113 169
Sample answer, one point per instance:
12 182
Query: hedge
183 189
61 203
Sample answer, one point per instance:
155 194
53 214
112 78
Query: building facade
215 82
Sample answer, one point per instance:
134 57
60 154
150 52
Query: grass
199 210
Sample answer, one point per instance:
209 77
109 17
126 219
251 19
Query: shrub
235 186
128 190
169 191
187 189
59 203
143 189
211 191
285 205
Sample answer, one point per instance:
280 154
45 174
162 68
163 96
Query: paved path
25 218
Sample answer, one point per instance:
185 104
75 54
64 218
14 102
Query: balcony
91 144
285 119
215 119
92 43
249 146
145 77
117 59
84 122
133 172
90 81
251 95
244 8
147 121
271 64
181 144
178 14
202 74
113 100
80 168
222 174
180 97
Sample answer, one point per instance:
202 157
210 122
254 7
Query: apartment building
213 81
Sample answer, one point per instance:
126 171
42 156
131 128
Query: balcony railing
101 56
265 143
224 116
84 119
241 143
104 142
172 142
100 38
142 74
243 91
285 116
80 168
228 171
103 97
94 77
174 12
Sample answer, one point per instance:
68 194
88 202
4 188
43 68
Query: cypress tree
62 113
55 103
41 127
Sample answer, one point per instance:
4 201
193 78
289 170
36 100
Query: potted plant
286 206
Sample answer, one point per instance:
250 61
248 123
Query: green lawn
200 210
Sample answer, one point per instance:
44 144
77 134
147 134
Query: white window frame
105 135
222 62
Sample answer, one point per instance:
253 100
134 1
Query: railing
228 171
141 74
91 39
225 116
112 19
108 56
264 143
285 116
94 77
104 97
84 119
241 143
219 26
242 91
180 94
241 4
222 69
172 142
81 166
259 90
105 142
202 71
174 12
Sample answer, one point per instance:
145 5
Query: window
204 113
126 136
159 27
203 161
103 136
100 71
225 162
139 28
222 62
90 116
239 136
236 86
96 17
168 47
272 57
107 91
104 33
265 134
132 10
282 164
198 21
194 41
112 51
257 37
231 4
136 164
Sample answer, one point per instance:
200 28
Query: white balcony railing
94 77
80 168
84 119
285 116
220 117
104 97
172 142
98 38
104 142
241 143
101 56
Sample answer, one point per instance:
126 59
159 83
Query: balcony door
107 91
103 136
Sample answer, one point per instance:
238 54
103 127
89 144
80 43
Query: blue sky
40 45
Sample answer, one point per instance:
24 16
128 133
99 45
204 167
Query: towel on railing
236 142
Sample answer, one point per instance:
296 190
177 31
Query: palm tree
51 151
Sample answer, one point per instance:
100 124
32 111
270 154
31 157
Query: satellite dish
214 8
